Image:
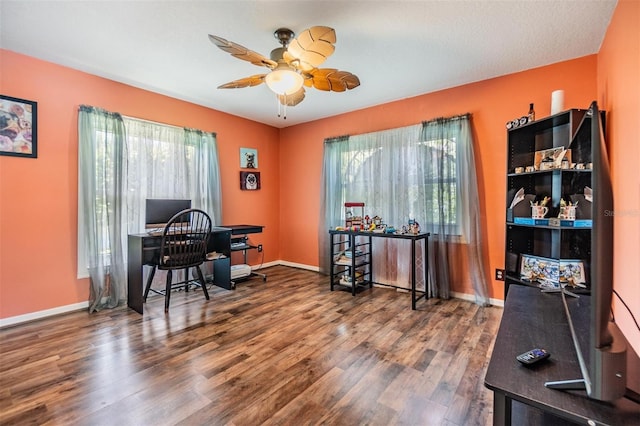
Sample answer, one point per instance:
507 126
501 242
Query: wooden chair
183 246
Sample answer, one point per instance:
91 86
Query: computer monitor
159 211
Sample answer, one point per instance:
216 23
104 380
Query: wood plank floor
285 352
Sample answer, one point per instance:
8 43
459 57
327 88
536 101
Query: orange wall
491 102
34 193
38 197
619 95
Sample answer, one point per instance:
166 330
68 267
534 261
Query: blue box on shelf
530 221
578 223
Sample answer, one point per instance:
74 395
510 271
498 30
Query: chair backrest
184 240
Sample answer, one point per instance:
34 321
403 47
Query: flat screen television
159 211
602 353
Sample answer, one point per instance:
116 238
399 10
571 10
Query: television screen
601 353
159 211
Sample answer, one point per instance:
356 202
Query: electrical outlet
500 274
259 248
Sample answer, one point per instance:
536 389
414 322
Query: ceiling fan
293 66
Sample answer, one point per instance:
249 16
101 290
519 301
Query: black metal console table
351 241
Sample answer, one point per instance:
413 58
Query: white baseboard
472 298
19 319
457 295
265 265
299 266
6 322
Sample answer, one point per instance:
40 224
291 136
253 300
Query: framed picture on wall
248 158
249 181
18 127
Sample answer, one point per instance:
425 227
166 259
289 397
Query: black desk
142 247
534 319
414 238
244 229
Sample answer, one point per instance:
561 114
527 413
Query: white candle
557 101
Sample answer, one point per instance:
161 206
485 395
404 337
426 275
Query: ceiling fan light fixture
283 80
293 65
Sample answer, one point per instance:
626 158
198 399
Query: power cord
250 243
628 310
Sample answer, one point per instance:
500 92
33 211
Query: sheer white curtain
170 162
423 172
122 162
451 205
102 230
379 169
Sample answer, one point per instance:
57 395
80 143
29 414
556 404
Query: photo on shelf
552 272
549 159
539 269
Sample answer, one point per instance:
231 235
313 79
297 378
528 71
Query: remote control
532 356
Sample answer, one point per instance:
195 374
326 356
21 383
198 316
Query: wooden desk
414 238
142 248
534 319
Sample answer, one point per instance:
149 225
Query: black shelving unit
350 255
553 240
239 242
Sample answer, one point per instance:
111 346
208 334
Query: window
121 168
401 180
424 172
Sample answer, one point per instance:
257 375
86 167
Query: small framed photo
552 273
539 269
549 159
248 158
572 273
18 127
249 181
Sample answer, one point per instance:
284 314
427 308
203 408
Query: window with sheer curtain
122 162
423 172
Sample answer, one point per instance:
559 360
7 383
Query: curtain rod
455 117
336 138
146 121
165 124
151 121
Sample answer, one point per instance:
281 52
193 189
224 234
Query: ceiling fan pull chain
278 102
285 106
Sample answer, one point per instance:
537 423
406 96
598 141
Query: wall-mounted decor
18 127
249 181
248 158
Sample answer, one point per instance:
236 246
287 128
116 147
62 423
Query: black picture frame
18 127
250 181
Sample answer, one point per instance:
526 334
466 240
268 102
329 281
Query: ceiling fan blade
292 99
254 80
311 48
331 79
242 52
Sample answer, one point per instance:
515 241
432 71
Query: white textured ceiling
398 49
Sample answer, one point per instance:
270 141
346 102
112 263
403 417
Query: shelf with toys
351 251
